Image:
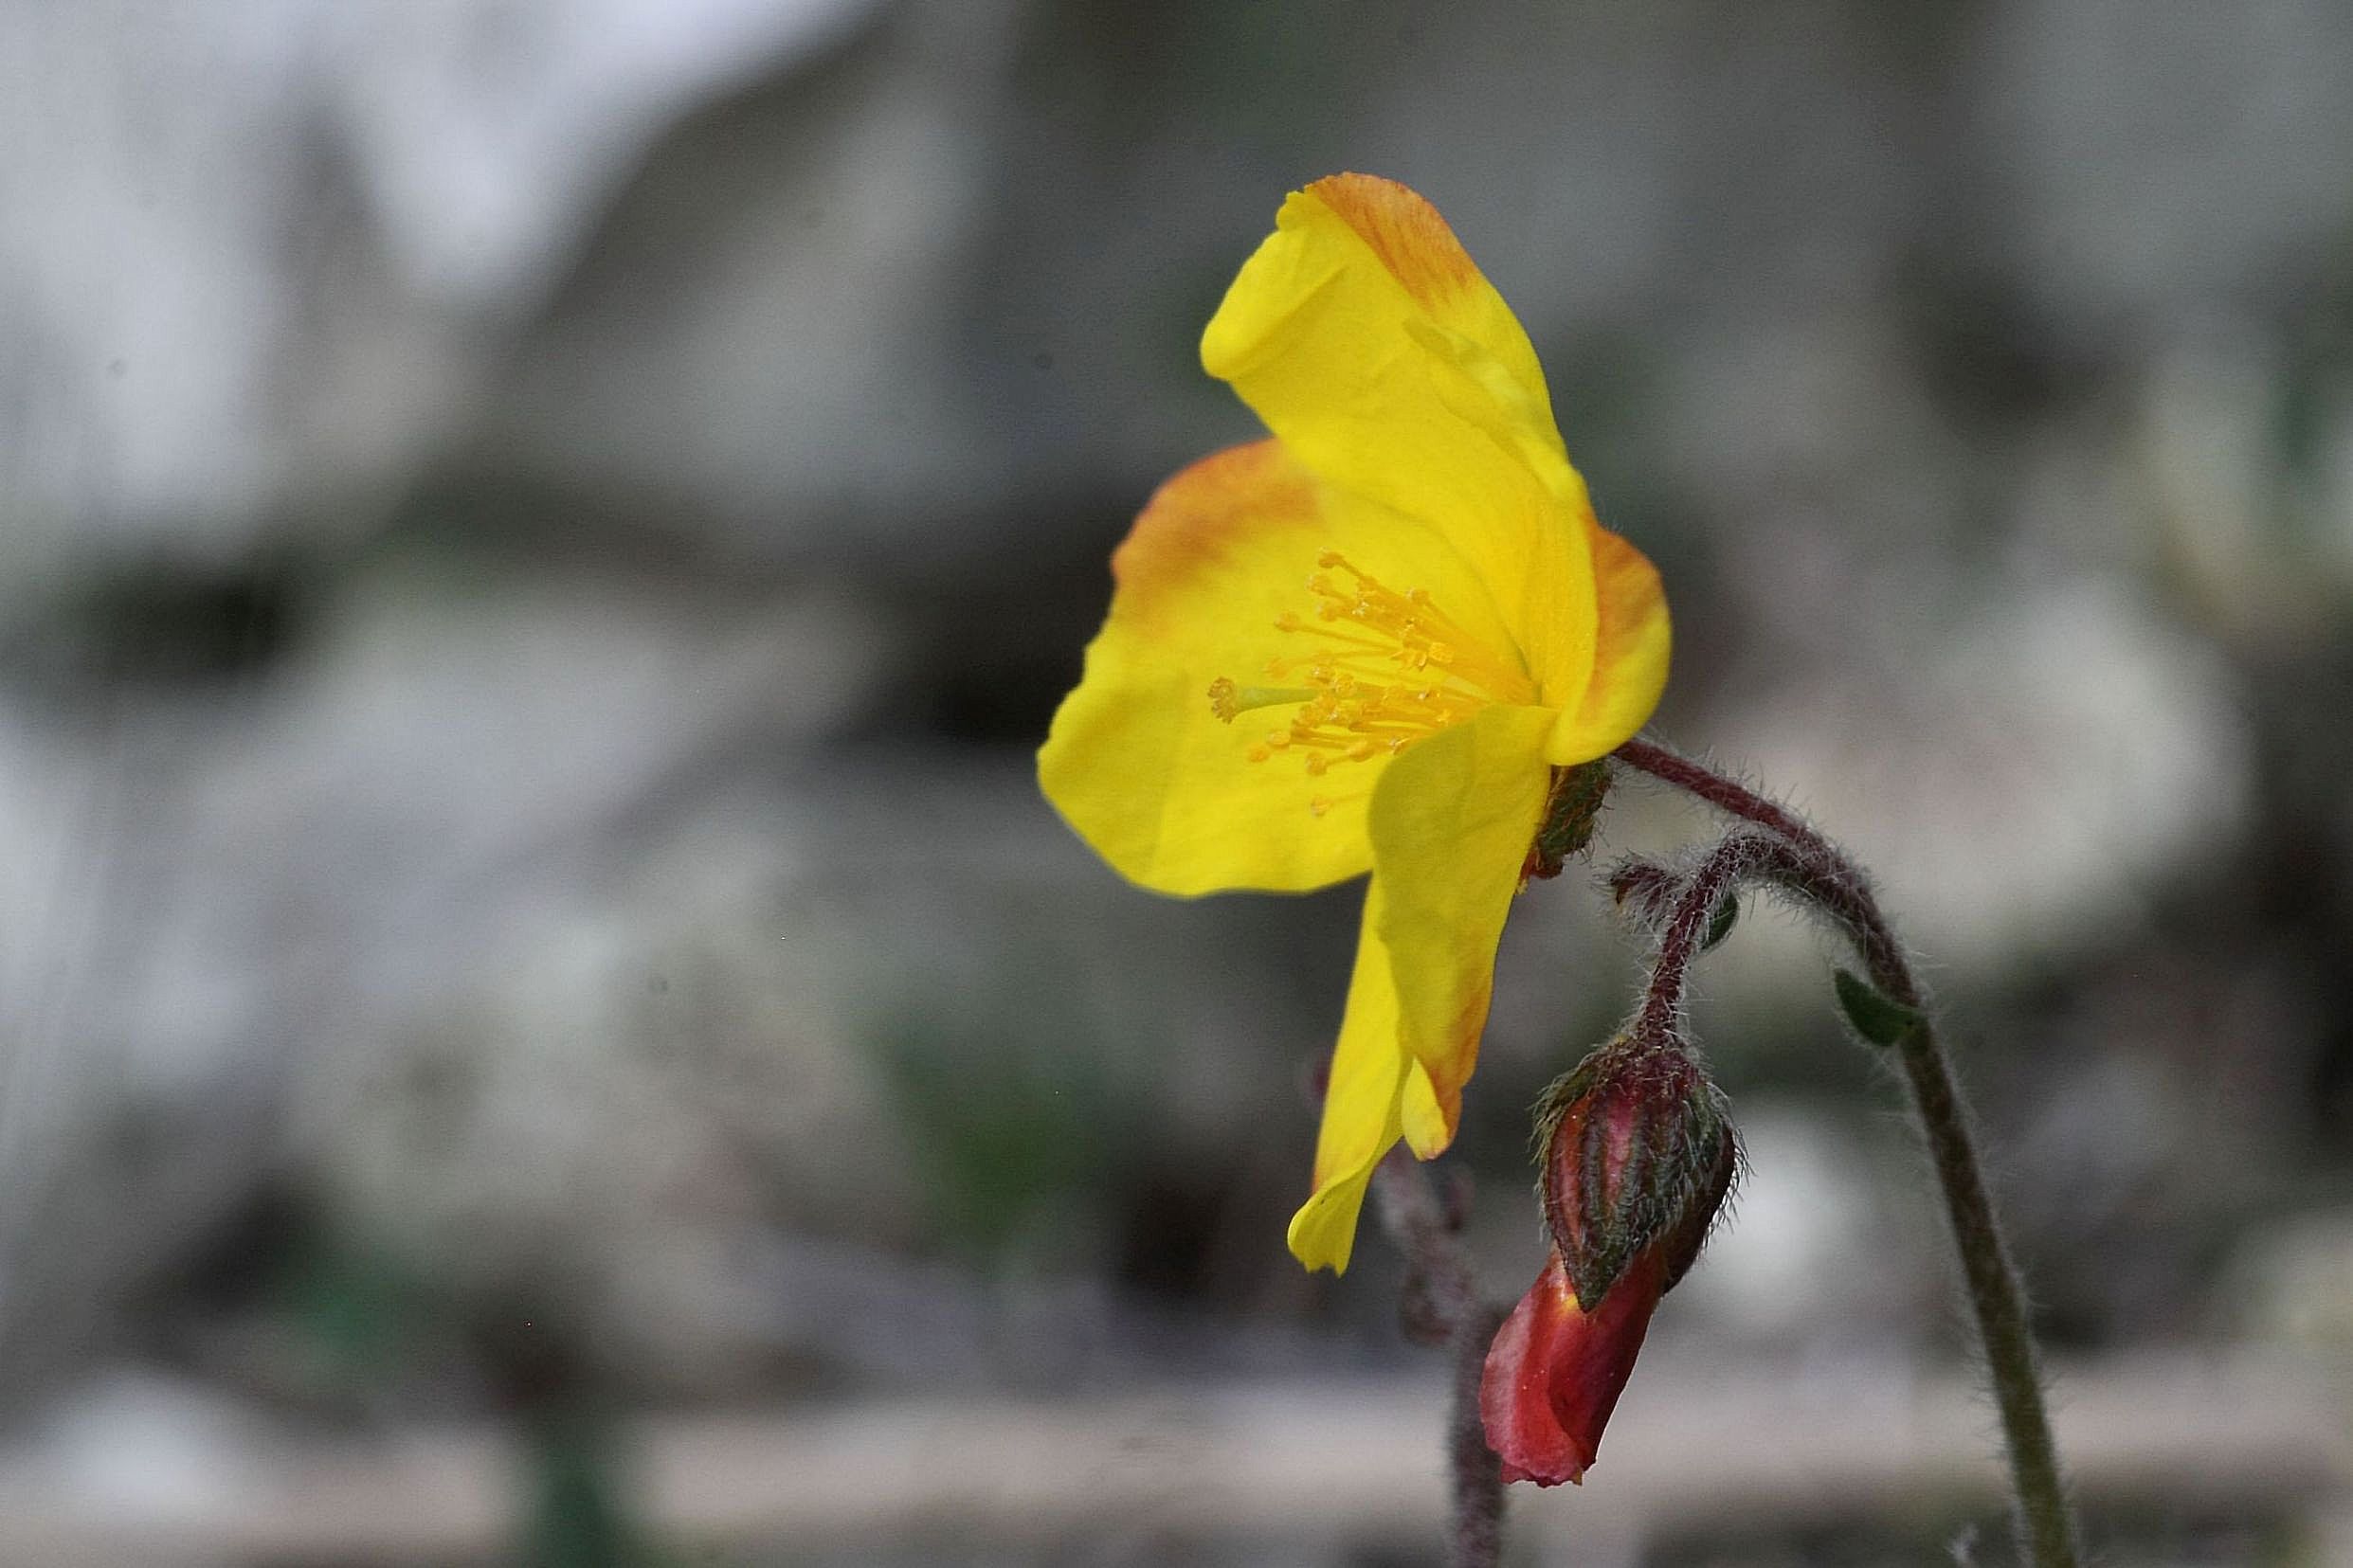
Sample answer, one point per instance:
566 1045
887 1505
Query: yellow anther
1351 708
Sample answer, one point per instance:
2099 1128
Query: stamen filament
1354 707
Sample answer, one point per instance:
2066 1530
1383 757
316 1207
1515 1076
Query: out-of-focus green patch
359 1312
578 1516
1022 1114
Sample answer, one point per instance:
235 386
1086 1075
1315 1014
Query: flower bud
1637 1156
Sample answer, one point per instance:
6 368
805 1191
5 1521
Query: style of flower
1363 645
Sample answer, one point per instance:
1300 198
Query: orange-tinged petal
1360 1104
1631 651
1364 336
1451 826
1418 248
1136 760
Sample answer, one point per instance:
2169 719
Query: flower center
1377 670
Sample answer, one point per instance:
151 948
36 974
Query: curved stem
1802 861
1719 791
1741 856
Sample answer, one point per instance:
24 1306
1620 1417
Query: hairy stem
1993 1284
1442 1306
1793 856
1719 791
1742 855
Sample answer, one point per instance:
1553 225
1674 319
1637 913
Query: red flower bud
1637 1156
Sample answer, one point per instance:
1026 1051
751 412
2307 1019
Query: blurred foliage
1026 1144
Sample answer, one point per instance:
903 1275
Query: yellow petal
1451 826
1360 1106
1138 763
1366 338
1634 641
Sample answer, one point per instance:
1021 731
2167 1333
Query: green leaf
1878 1018
1720 924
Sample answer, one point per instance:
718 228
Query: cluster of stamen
1380 671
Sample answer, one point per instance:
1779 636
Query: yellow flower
1363 645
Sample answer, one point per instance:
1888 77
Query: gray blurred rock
1831 1239
2291 1283
455 845
620 1112
260 257
2015 777
771 336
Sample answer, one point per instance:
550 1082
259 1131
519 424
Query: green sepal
1569 810
1877 1017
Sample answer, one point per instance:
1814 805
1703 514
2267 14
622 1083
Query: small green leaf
1876 1016
1721 923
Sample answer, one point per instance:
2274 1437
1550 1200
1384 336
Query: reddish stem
1793 856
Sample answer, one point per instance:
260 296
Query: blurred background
543 1019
